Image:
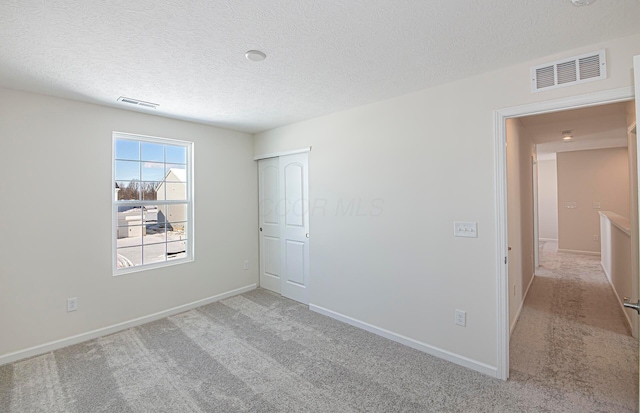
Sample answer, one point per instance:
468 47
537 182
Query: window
152 204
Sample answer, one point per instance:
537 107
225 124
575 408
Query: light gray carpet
259 352
572 338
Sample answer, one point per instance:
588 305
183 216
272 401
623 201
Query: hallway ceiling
322 56
592 127
606 120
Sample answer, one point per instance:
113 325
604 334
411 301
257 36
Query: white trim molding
79 338
548 239
426 348
500 170
277 154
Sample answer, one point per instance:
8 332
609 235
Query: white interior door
269 220
283 193
294 240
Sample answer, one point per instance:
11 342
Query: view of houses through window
152 202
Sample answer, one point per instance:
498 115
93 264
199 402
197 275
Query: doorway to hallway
504 288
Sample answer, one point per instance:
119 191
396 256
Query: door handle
307 235
260 228
628 304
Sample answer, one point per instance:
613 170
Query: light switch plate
465 229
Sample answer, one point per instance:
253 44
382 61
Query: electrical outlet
72 304
461 318
245 265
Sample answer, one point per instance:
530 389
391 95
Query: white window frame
190 256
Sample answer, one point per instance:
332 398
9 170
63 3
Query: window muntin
152 202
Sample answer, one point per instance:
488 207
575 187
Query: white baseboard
524 297
434 351
579 252
79 338
548 239
624 311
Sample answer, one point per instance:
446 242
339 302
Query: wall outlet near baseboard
245 265
461 318
72 304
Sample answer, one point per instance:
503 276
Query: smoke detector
580 3
255 55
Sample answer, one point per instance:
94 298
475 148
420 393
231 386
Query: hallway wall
548 199
584 178
520 214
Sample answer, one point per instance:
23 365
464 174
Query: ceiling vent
137 102
572 71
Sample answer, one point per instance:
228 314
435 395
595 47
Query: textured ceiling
323 55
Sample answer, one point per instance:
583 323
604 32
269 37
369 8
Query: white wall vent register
571 71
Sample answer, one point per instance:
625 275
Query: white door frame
500 173
536 229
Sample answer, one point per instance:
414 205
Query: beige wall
585 177
548 199
55 217
429 156
520 214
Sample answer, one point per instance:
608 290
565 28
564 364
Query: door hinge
505 260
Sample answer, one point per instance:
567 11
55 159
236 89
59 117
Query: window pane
149 190
176 173
130 235
129 257
127 171
176 214
127 150
177 231
155 226
154 253
161 214
127 190
176 249
174 191
176 154
153 152
130 229
155 234
152 171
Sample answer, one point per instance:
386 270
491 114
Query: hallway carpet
572 337
259 352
